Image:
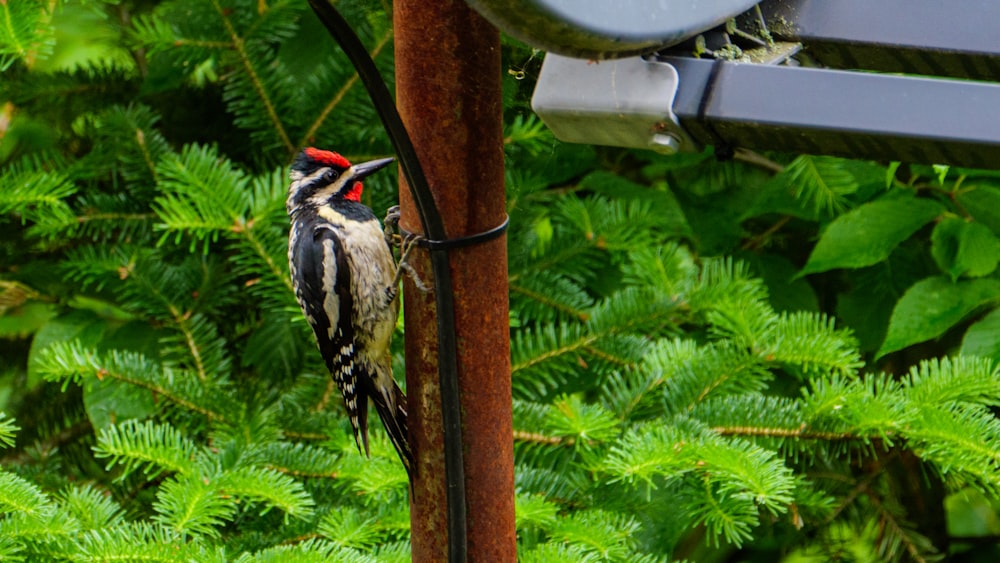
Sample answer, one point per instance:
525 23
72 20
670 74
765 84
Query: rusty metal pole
448 93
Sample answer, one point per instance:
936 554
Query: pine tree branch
580 344
313 436
552 260
324 400
800 433
138 54
338 97
201 43
26 52
180 401
536 438
240 47
181 319
255 243
182 322
90 217
588 339
975 444
301 538
11 33
50 444
545 300
606 356
861 487
302 474
757 159
6 115
758 241
896 529
140 139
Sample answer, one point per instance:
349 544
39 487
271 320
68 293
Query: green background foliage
778 357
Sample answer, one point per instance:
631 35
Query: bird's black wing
326 300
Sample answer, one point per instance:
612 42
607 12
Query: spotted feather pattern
344 292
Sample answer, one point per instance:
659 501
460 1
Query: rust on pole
448 93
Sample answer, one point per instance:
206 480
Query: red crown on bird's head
327 158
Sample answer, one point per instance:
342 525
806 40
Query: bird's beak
370 167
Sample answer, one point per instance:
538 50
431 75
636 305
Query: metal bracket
624 103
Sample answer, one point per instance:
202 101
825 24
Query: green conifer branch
582 342
549 301
73 361
192 505
897 532
339 95
271 487
798 433
147 156
251 238
251 73
350 528
10 37
183 323
538 438
20 495
25 32
147 445
8 428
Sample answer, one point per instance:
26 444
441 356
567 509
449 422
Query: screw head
665 143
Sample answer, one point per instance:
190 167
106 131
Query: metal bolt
665 143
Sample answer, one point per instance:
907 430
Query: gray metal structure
604 29
947 111
957 38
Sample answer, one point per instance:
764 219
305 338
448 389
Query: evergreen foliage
778 357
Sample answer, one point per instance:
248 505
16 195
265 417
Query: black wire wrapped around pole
434 230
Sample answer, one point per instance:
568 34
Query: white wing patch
331 301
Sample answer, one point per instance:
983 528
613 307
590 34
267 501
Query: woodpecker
345 280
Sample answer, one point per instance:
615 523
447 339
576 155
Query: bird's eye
331 175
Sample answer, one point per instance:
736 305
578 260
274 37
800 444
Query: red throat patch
328 158
354 194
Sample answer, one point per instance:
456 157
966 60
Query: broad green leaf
941 170
983 337
26 319
982 201
785 291
964 248
868 234
890 173
934 305
109 401
867 314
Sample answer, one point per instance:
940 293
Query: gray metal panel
861 115
623 103
602 29
955 38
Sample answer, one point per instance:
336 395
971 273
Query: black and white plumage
344 277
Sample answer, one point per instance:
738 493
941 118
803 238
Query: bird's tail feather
394 419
